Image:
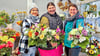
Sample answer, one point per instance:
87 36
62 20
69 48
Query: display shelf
85 1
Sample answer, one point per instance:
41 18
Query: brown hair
50 3
73 5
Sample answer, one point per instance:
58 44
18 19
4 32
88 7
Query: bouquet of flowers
80 36
7 38
6 19
62 16
94 48
22 14
39 35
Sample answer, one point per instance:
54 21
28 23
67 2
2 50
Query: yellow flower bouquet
40 36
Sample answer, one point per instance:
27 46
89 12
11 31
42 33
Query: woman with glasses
74 20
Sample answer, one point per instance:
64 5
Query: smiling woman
74 20
52 20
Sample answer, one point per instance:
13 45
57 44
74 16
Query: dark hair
73 5
50 3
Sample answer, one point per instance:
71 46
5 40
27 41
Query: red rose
9 44
1 46
36 33
99 55
14 37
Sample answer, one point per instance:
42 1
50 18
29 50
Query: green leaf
84 44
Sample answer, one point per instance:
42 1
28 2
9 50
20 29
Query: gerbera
41 36
30 34
57 37
17 34
91 51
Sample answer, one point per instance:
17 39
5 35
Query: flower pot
53 52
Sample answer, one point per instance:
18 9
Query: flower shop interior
12 12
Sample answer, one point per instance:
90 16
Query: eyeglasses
72 9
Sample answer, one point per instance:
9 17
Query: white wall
10 6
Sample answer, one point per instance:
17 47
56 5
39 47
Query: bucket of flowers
41 36
80 36
93 49
5 18
7 38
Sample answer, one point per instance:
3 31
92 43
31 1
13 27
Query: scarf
76 16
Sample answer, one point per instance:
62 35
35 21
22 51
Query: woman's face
51 9
72 11
34 11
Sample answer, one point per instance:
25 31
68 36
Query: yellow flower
91 26
41 36
19 12
45 26
1 18
57 37
13 13
92 46
63 44
11 40
91 51
4 38
0 37
24 12
88 24
16 9
84 14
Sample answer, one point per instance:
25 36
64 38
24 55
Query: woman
74 20
52 20
27 23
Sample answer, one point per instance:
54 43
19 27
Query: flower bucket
58 51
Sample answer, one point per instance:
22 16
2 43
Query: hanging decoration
64 6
